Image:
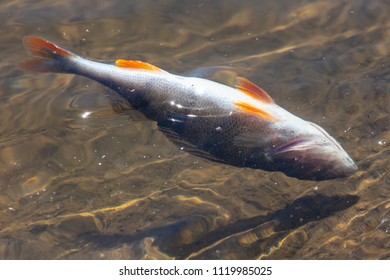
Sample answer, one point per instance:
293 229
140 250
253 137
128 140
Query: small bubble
349 128
383 142
85 114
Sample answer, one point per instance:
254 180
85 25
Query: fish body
238 125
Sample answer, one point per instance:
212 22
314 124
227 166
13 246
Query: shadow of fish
263 232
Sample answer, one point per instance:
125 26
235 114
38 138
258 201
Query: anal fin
136 64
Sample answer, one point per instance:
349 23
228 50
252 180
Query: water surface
80 180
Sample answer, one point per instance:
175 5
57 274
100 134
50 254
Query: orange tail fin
48 57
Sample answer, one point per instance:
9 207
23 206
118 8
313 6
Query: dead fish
239 125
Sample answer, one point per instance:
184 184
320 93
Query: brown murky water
81 181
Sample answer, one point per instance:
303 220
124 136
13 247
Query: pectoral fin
250 109
186 146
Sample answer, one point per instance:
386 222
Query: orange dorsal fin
250 109
252 90
136 64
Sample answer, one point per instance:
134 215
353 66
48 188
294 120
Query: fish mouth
313 158
296 145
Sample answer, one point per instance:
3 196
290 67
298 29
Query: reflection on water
78 179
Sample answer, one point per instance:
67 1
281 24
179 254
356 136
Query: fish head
310 153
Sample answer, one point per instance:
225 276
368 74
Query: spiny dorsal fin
252 90
250 109
136 64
